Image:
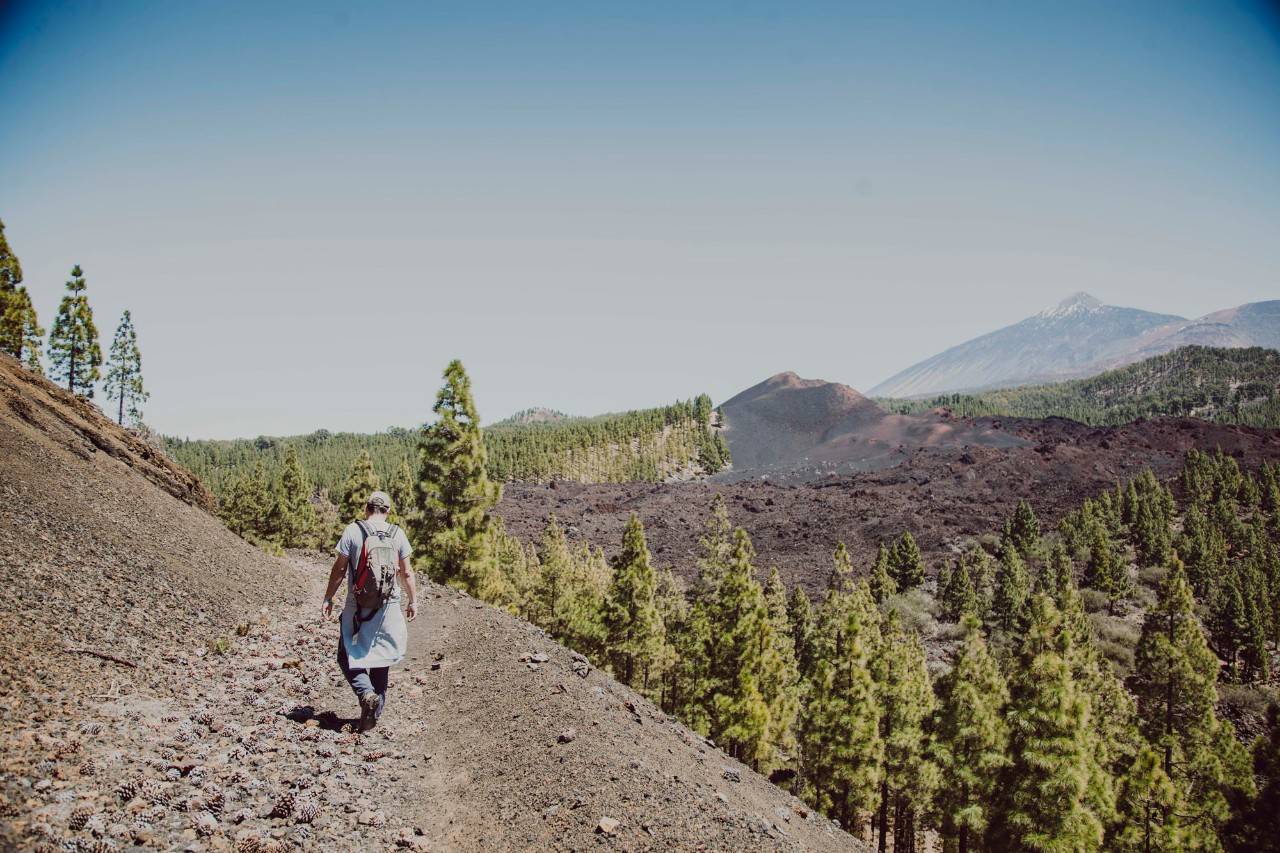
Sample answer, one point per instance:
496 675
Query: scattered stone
568 736
372 818
732 774
608 826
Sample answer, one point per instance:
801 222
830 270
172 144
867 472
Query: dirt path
494 738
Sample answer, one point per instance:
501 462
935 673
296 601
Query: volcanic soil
166 686
946 495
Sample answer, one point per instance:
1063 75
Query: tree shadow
327 720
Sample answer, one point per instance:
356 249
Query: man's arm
336 574
410 587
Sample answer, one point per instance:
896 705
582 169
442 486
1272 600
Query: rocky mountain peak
1077 303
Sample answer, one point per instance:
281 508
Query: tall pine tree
74 354
1175 687
632 624
1043 804
20 330
123 382
971 739
453 494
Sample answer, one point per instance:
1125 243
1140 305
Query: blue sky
599 206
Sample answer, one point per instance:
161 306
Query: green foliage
881 580
906 704
1177 699
20 330
970 739
123 382
842 751
648 445
632 624
295 523
1012 587
1224 385
453 493
956 593
74 354
361 483
906 565
1043 802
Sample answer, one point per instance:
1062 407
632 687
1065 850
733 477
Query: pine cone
89 768
306 809
127 790
67 748
205 824
79 818
154 792
90 727
214 799
249 844
284 805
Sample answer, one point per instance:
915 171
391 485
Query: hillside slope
1224 385
1060 342
1080 337
211 712
808 428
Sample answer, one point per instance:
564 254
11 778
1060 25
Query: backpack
374 578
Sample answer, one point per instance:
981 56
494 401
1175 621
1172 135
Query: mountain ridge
1078 337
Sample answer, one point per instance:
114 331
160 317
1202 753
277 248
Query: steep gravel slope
168 687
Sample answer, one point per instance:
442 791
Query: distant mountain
534 415
1238 385
1077 337
808 427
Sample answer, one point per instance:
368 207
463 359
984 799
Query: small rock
371 818
732 775
568 736
607 826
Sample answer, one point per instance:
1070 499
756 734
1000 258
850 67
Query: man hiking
374 556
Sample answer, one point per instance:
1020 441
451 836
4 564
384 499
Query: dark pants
363 681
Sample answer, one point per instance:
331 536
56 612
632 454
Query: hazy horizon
607 207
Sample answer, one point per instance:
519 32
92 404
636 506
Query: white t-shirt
383 638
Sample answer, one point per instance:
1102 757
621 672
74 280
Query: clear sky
310 208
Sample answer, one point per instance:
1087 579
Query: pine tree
956 594
1012 588
74 354
1106 572
841 750
453 494
906 563
780 672
555 574
1147 795
673 610
297 517
1175 688
800 618
632 623
401 491
840 578
361 482
1043 802
20 330
970 740
124 372
881 582
1260 829
1024 530
741 640
717 550
906 703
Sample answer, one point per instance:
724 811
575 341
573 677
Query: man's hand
327 609
410 611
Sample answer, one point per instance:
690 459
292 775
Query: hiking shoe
368 710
